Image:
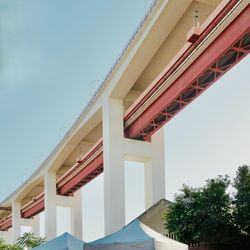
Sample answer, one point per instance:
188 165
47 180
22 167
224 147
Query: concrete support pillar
114 190
9 238
154 172
50 200
76 215
36 225
2 235
148 184
6 236
75 205
16 220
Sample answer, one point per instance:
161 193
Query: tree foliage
242 200
26 241
29 240
191 217
5 246
209 214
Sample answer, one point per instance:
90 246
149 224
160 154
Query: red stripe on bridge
34 207
6 224
73 183
226 51
89 172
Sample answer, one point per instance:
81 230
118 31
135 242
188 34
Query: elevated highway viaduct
170 60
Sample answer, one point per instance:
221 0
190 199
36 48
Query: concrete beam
64 201
5 208
138 151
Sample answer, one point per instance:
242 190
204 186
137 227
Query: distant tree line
211 214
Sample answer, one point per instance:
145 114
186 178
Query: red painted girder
89 172
33 208
219 13
71 172
203 63
6 224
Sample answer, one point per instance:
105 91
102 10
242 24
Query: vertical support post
76 215
9 236
114 191
148 185
154 172
36 225
16 220
50 205
2 235
6 236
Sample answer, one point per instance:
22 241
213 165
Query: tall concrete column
114 190
9 238
36 225
6 236
154 171
16 220
2 235
148 185
76 215
50 200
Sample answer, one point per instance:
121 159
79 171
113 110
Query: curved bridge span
140 95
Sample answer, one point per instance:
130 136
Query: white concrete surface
50 200
36 225
114 191
6 236
16 220
154 171
76 215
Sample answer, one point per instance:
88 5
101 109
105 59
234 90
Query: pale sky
52 50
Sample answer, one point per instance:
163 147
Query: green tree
201 214
242 200
29 240
5 246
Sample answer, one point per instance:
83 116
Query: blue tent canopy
63 242
128 238
130 233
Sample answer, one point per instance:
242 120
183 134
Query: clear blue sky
51 51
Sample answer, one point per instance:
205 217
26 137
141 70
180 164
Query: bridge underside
159 102
225 52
